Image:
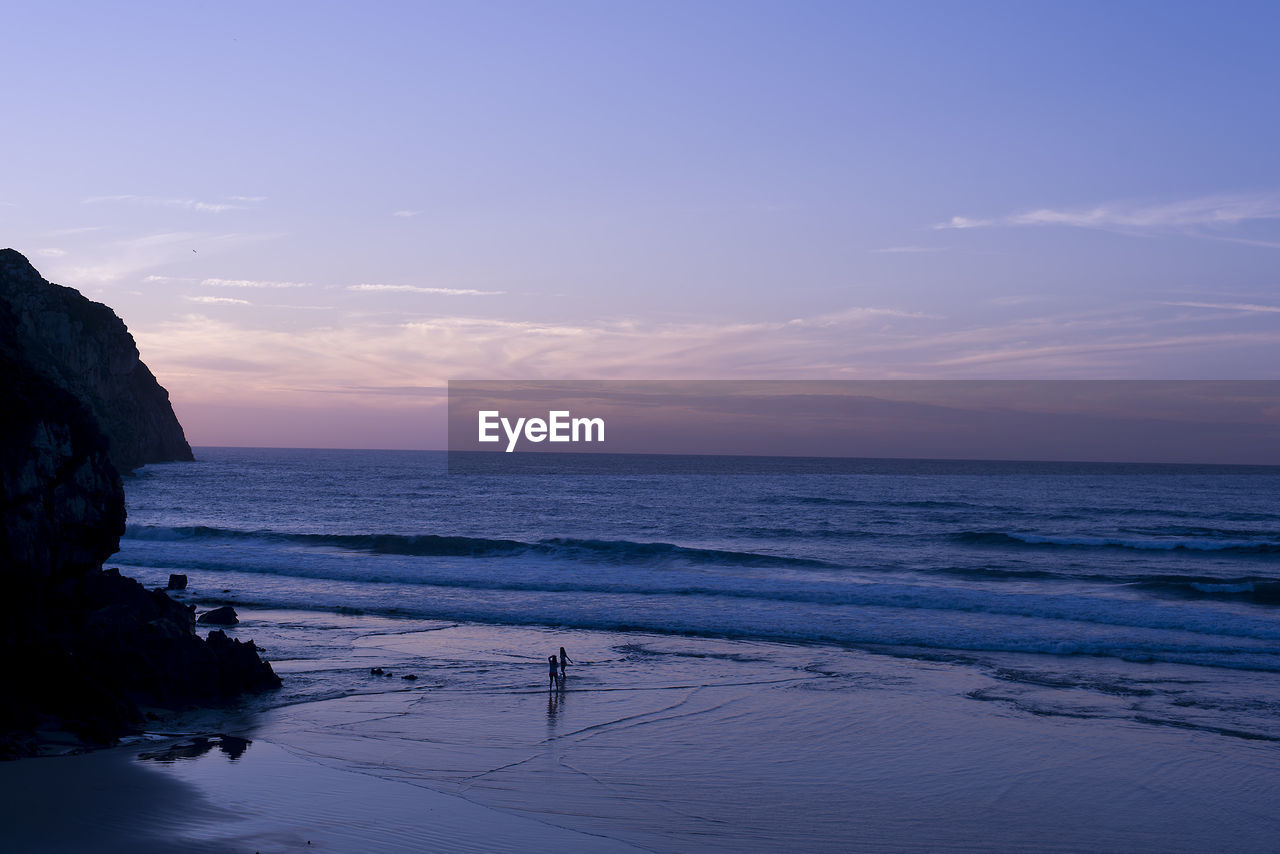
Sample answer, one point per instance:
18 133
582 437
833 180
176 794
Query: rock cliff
85 349
83 649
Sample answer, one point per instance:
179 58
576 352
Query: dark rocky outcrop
105 647
61 503
83 648
86 350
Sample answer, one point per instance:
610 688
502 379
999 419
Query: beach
902 658
872 406
657 743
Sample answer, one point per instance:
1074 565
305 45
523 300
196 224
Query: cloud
966 222
296 307
1202 217
355 354
164 239
64 232
168 279
406 213
51 253
220 300
122 258
1017 299
857 314
137 256
227 363
454 292
250 283
156 201
415 353
248 198
1229 306
1023 355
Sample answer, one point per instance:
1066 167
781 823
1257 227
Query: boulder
224 616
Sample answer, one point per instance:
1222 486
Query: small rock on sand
224 616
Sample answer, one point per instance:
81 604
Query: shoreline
674 744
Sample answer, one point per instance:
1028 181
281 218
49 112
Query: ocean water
899 656
1153 564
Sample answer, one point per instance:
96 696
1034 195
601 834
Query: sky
313 215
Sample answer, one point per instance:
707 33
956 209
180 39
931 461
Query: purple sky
313 215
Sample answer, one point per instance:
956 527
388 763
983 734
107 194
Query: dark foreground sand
268 800
102 801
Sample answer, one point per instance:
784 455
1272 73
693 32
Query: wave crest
435 545
1013 539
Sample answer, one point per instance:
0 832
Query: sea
1171 564
1071 624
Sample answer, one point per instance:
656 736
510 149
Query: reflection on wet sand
232 745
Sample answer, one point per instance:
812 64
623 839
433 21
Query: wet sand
266 800
661 744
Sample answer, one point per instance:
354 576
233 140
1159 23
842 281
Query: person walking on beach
554 674
564 661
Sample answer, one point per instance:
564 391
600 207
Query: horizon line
845 459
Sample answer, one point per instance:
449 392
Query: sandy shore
266 800
658 743
103 801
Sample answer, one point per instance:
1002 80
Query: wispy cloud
1230 306
427 351
119 259
184 204
219 300
1018 299
64 232
968 222
248 198
250 283
363 354
1206 216
51 253
296 307
143 254
1049 353
415 289
406 213
857 314
163 239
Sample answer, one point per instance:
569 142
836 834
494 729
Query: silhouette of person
554 674
564 660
